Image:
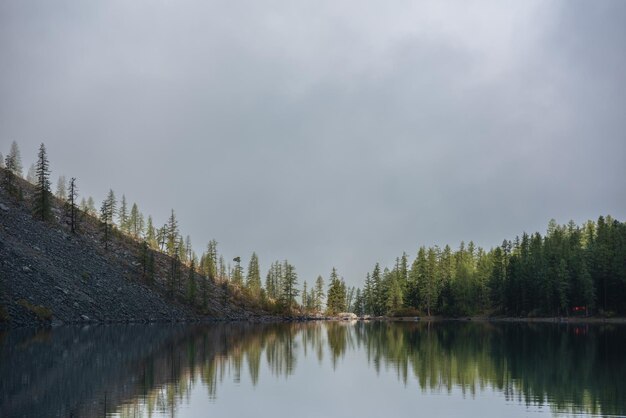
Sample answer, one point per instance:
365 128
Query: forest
570 270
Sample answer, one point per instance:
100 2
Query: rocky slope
49 275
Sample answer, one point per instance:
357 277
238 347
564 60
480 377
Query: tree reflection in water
148 369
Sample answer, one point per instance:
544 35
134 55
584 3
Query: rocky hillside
49 275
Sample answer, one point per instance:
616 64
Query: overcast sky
330 133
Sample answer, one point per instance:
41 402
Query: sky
329 133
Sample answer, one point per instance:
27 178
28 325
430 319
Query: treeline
571 270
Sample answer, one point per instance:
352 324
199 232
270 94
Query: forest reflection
574 369
147 371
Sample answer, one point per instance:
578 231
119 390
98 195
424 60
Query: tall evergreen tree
42 205
289 286
71 202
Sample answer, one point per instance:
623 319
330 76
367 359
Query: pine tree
42 206
14 154
61 192
2 163
253 278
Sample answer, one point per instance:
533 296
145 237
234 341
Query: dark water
315 369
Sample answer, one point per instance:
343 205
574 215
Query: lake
315 369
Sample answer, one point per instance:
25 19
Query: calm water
314 370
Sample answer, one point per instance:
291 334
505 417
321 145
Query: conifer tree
237 274
304 295
91 207
61 192
107 213
71 202
191 282
253 278
122 215
172 235
9 181
31 175
42 207
135 222
16 157
319 293
151 234
289 283
2 162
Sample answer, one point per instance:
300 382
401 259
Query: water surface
315 369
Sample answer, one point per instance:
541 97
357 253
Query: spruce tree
289 285
42 207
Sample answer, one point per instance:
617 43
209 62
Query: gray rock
3 207
84 317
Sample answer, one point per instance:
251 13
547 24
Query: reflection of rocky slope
69 371
74 278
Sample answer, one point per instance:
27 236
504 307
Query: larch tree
31 175
107 213
42 207
61 192
319 293
253 278
151 234
16 156
122 216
